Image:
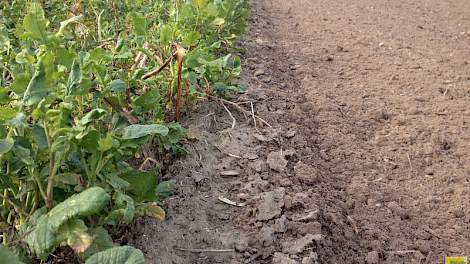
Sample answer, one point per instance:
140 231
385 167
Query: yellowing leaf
106 143
218 22
154 211
74 234
7 113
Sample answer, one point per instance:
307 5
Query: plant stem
38 182
52 172
50 186
14 204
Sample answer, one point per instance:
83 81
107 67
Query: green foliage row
75 110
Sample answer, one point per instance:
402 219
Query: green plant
77 103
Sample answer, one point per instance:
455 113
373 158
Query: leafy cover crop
86 87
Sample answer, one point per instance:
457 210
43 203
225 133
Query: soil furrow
367 160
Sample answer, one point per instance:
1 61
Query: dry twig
200 250
159 69
234 121
253 114
237 106
180 53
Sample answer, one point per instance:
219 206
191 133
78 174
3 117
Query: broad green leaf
95 114
117 86
35 23
4 39
68 178
64 57
39 135
90 140
25 57
164 189
19 121
199 3
75 76
192 38
116 182
139 24
166 34
118 255
105 144
7 113
125 212
147 101
101 241
4 95
138 131
142 185
152 210
74 234
20 83
42 238
6 144
7 257
23 154
100 55
5 181
36 89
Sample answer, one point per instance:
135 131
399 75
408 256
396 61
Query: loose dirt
368 157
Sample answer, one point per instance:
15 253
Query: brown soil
368 160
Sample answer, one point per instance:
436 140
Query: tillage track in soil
367 158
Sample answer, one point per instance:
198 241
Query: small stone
198 177
250 156
423 246
306 173
299 245
280 225
305 217
266 236
261 137
311 259
257 166
270 204
295 67
259 41
429 170
243 196
277 161
310 228
372 257
299 200
241 245
280 258
267 80
290 133
455 250
289 152
194 132
259 72
230 173
284 182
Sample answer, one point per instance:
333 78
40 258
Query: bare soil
368 157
